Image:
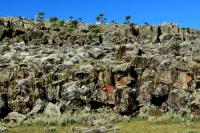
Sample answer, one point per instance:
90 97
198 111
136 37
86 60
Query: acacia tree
128 19
98 19
40 16
71 19
101 18
113 22
80 20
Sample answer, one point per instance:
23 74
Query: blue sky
184 12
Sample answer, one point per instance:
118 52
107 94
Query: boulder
38 107
52 110
96 53
57 40
14 116
178 99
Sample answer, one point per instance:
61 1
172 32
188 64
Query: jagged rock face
115 66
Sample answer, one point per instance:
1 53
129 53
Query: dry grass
135 126
148 127
164 123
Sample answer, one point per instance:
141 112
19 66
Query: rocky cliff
63 66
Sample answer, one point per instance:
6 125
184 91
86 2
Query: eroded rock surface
122 67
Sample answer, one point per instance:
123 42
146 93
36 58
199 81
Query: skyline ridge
182 12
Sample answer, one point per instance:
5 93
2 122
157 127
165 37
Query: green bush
53 19
60 23
175 46
21 38
92 26
70 29
94 31
74 23
40 26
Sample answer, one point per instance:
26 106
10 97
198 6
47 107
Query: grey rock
74 69
52 110
178 99
162 90
38 107
3 129
96 53
14 116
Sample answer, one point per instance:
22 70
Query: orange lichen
121 81
109 88
184 78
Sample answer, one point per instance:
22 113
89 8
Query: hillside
61 66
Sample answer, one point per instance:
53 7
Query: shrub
60 23
70 29
92 26
94 30
175 46
40 26
21 38
74 23
53 19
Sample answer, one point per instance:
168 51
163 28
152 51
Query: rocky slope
52 67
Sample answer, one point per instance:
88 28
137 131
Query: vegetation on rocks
52 69
175 46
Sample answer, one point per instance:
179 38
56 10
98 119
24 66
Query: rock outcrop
122 67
